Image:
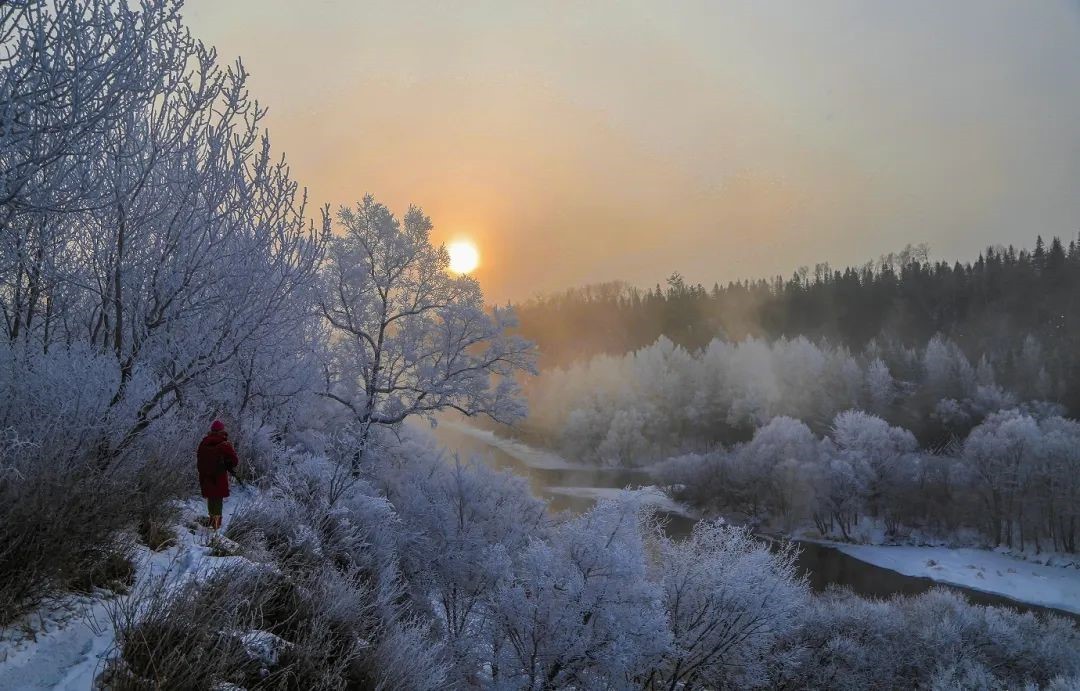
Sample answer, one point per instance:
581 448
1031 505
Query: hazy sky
591 141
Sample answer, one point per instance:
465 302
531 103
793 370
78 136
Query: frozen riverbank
983 570
571 485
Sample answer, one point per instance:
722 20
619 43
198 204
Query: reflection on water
823 565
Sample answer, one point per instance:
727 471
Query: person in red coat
216 458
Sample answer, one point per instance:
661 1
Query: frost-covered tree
407 336
1056 486
153 252
770 468
880 386
205 248
581 611
934 640
69 71
179 240
838 494
999 453
1024 470
469 523
948 371
874 450
727 597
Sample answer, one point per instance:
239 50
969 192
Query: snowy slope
979 569
66 657
70 643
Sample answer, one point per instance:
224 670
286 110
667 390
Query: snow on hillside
64 647
979 569
65 653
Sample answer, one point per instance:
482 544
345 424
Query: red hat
217 426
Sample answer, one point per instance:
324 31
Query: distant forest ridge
986 306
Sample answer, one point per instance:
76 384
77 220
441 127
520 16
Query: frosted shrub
179 637
60 523
935 640
295 524
246 625
701 479
325 601
262 450
466 522
62 501
727 599
580 611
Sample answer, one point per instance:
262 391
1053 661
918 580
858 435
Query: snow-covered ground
65 652
979 569
64 647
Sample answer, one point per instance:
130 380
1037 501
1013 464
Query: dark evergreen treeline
989 307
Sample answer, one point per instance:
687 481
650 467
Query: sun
464 257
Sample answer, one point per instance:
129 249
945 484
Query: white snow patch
65 647
263 646
978 569
67 657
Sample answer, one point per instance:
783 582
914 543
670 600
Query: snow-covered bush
431 572
317 599
580 611
1015 480
62 500
934 640
466 522
163 629
245 624
727 598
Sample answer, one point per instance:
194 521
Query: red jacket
216 458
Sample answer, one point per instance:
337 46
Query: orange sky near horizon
578 143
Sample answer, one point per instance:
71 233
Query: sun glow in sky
588 142
464 257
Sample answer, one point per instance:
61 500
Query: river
570 487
